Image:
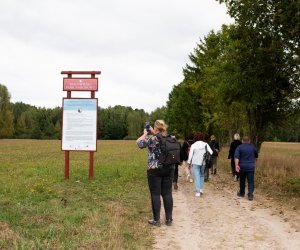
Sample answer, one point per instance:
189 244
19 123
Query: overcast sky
140 46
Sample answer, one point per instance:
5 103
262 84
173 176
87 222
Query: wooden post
67 164
91 167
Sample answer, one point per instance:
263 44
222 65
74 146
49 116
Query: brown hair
198 136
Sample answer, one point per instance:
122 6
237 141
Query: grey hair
236 136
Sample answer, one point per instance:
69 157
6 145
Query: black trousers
233 169
160 184
175 178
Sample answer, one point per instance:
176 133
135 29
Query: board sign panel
79 130
80 84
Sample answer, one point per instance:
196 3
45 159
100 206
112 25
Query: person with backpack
216 149
186 146
160 169
197 160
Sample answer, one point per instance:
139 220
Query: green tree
6 115
184 110
158 114
136 123
266 72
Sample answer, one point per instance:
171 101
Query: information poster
79 124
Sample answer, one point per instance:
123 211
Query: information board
79 130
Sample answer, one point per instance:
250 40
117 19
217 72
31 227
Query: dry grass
279 160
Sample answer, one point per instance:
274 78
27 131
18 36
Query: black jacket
185 146
232 148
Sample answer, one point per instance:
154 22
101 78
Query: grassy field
41 210
278 167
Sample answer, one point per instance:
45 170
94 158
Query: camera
147 127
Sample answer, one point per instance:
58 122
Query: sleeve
230 151
143 143
237 153
209 149
191 154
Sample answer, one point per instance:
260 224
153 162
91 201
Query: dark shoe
154 222
240 195
250 197
169 222
215 171
175 186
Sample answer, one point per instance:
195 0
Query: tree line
243 78
23 121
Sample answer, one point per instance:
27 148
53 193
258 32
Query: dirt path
221 220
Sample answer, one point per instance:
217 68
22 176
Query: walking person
233 145
216 148
208 166
245 156
176 171
160 177
196 160
186 146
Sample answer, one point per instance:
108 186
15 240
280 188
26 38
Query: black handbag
207 158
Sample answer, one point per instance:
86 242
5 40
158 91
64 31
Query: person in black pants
236 142
160 177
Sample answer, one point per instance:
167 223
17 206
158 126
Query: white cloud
140 46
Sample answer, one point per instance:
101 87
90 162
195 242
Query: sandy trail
221 220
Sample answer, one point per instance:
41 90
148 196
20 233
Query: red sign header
80 84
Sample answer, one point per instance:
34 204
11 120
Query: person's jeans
199 171
160 184
249 175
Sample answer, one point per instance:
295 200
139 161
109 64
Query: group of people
194 149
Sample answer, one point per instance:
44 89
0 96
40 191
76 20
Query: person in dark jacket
176 172
216 149
244 157
189 140
236 142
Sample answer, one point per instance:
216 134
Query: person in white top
196 161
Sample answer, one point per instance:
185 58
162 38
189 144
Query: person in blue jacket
244 157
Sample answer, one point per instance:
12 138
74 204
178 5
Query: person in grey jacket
196 160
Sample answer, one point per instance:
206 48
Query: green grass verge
41 210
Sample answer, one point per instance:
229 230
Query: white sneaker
191 180
197 194
201 191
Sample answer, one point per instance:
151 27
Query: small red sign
80 84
